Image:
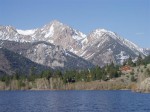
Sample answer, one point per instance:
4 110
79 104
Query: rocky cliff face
55 57
47 54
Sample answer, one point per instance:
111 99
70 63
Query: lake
74 101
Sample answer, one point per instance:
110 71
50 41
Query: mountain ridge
100 44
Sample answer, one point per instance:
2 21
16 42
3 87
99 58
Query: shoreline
55 84
69 90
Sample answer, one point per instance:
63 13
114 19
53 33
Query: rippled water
74 101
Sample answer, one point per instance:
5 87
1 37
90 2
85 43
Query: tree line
70 76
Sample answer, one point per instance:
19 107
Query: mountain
100 47
55 32
60 34
11 62
47 54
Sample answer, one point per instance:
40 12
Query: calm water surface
74 101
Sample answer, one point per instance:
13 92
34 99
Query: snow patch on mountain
68 54
133 46
51 41
122 56
26 32
89 56
84 41
78 35
109 50
50 32
83 53
73 51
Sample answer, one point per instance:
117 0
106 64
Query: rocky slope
144 86
143 82
47 54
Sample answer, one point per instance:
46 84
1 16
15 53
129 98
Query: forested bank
97 78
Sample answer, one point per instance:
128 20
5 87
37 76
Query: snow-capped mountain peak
99 31
104 34
56 22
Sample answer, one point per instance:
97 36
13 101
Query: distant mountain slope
11 62
47 54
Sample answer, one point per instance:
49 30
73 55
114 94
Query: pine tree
139 60
46 74
130 62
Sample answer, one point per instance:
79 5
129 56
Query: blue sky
129 18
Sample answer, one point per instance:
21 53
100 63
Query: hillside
12 63
143 82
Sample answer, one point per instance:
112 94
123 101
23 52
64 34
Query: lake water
74 101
